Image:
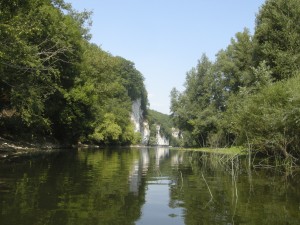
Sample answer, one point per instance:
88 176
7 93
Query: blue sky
165 38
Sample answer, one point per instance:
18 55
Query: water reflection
139 169
157 208
160 154
144 186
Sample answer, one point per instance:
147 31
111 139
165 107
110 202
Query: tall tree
194 110
234 63
39 50
277 34
54 82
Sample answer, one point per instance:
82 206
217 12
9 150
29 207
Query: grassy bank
229 151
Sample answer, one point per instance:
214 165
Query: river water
144 186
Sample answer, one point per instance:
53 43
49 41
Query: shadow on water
145 186
83 187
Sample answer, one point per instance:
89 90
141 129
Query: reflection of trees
236 196
108 187
75 189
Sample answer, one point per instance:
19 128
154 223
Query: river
144 186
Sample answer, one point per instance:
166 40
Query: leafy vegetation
250 94
54 82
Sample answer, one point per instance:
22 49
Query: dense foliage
55 83
250 94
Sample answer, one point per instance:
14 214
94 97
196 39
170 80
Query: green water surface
144 186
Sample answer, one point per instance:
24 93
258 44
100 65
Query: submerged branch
211 196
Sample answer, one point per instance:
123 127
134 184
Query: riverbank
14 148
19 145
229 151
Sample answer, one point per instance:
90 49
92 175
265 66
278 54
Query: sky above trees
166 38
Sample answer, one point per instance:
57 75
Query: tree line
55 83
250 94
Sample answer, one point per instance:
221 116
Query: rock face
140 124
145 133
160 139
176 133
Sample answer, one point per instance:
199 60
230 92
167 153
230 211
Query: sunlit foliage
55 83
250 94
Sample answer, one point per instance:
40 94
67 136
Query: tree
234 63
133 81
54 82
194 111
269 119
277 34
39 50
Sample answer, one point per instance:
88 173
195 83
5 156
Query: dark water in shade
144 186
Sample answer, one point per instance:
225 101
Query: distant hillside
166 124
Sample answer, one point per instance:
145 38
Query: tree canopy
54 82
249 95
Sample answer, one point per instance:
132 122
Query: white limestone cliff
176 133
140 124
161 140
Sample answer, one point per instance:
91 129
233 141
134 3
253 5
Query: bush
270 119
